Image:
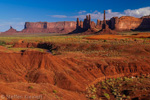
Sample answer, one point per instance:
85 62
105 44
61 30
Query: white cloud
138 12
81 12
59 16
109 11
109 14
98 15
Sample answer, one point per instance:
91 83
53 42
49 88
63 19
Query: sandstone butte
124 23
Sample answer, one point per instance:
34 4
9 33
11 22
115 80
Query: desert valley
77 60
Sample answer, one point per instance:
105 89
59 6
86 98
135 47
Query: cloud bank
109 13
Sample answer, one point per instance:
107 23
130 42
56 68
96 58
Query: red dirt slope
32 72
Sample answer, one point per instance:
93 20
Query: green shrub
120 84
126 79
103 83
54 91
2 43
93 97
110 79
30 87
124 96
128 97
94 90
105 40
104 87
107 95
114 93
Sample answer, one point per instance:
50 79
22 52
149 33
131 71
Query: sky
16 12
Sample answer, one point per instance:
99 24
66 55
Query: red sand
112 37
40 73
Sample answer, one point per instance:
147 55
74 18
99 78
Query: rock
81 24
105 28
99 24
49 27
10 31
78 23
126 23
92 25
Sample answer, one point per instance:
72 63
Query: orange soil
108 37
69 74
112 37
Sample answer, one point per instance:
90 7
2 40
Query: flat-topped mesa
50 27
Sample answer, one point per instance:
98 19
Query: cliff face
49 27
35 25
130 23
123 23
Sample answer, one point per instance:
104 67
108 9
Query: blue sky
16 12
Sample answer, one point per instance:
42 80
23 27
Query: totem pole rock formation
105 27
86 27
78 23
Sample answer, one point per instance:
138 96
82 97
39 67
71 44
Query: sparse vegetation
107 96
122 88
2 43
93 97
30 87
102 54
54 91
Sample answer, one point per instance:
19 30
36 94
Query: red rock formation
125 23
92 24
10 31
99 24
145 23
81 24
78 23
105 27
113 22
49 27
85 27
